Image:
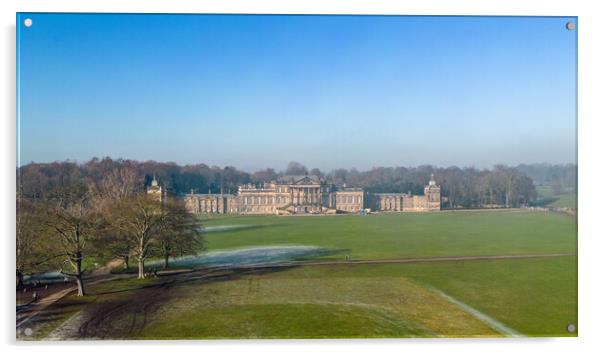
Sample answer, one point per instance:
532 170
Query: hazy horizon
258 91
309 167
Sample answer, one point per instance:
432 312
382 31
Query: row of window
349 199
390 205
343 199
258 209
265 200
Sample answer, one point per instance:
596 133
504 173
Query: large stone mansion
310 195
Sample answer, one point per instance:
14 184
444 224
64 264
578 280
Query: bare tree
117 183
71 227
181 234
114 243
295 168
316 172
30 256
267 175
142 219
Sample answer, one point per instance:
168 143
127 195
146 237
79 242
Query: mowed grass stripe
266 307
536 296
491 322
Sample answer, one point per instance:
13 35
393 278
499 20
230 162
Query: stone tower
155 190
433 194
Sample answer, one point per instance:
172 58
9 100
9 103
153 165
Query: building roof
351 189
294 179
198 195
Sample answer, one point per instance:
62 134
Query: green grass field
532 297
402 235
295 304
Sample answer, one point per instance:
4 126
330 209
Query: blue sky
328 91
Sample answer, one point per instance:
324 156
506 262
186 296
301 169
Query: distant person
34 296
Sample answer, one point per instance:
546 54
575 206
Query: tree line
560 178
469 187
71 216
466 187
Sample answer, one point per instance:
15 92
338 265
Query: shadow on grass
244 257
239 228
545 201
118 309
209 274
122 313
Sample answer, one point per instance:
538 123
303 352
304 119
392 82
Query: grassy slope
533 296
287 305
567 199
536 297
408 234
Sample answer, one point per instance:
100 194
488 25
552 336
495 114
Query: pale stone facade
430 201
350 200
309 195
211 203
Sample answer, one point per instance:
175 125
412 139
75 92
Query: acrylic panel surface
291 176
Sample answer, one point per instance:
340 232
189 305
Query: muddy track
126 316
28 312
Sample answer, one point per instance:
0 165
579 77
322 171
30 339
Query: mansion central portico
309 195
305 194
289 195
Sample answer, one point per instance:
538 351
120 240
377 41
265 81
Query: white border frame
590 233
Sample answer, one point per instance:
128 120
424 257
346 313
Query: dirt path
106 269
26 313
125 316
